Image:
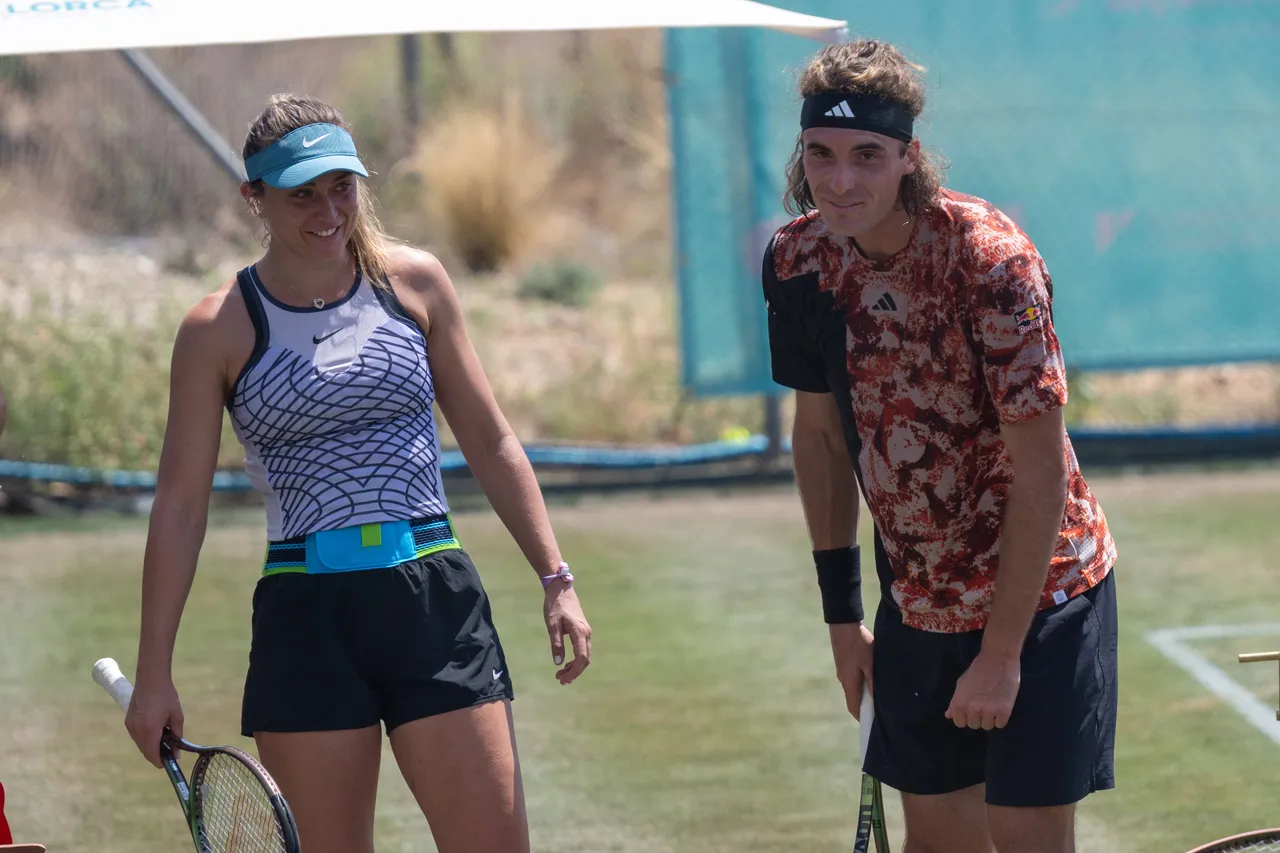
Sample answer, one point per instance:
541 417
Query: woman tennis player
328 353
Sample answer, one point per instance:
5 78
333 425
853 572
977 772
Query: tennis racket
232 805
871 807
1258 841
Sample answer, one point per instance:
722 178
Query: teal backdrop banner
1135 141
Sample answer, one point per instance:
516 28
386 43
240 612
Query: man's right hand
851 648
153 708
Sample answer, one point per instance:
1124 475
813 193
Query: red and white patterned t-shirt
928 353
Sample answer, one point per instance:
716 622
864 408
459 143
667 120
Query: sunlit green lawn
710 719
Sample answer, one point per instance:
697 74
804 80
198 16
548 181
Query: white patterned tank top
334 410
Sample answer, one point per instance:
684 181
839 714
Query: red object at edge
6 837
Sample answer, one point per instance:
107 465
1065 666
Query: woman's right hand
153 708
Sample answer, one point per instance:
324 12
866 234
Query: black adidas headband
857 112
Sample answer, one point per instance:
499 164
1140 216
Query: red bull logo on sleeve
1029 318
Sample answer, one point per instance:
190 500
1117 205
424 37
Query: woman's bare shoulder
218 325
416 269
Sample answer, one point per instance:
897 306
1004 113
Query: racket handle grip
865 715
1255 657
108 675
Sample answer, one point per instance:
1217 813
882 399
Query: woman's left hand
563 613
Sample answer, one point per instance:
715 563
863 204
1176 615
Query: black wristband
840 582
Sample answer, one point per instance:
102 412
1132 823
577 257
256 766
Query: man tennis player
915 324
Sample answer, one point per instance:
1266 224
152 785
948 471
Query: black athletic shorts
352 649
1059 743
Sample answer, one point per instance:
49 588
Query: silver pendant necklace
317 301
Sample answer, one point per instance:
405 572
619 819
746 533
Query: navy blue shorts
352 649
1059 743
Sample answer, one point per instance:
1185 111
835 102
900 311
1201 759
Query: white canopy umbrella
131 26
57 26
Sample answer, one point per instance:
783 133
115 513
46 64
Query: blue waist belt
364 546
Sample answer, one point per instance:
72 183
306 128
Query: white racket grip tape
107 673
865 715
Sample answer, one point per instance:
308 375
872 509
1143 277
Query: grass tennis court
710 719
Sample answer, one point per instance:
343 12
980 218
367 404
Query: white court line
1171 642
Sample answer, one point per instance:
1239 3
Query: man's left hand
986 692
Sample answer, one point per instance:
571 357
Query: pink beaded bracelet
562 573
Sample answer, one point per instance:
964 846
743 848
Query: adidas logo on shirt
886 302
840 110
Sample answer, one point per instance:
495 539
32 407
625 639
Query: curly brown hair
866 67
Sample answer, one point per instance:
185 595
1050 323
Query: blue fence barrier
1104 447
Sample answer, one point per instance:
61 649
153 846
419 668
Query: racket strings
236 811
1268 844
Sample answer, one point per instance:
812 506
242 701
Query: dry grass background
534 150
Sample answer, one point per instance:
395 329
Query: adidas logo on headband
841 109
874 113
